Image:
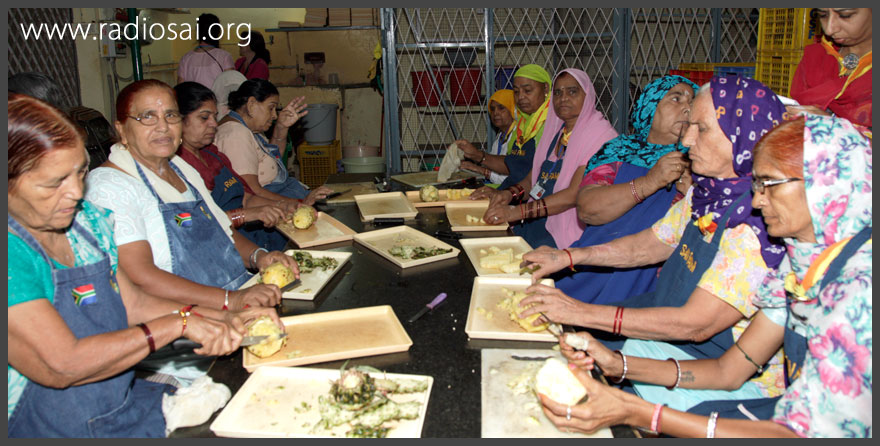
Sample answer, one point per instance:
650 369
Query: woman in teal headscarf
531 89
648 159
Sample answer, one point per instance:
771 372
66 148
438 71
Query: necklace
850 61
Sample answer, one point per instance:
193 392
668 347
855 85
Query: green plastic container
366 164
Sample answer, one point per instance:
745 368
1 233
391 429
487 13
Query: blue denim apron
534 230
679 277
519 162
120 406
228 193
202 253
794 344
283 184
603 286
200 249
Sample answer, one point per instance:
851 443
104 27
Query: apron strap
722 224
17 229
192 189
848 251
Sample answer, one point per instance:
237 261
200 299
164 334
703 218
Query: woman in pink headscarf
547 194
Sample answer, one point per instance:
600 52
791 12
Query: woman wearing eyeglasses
174 241
817 304
714 250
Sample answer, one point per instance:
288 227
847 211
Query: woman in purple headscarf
715 248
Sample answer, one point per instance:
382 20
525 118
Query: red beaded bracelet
184 313
149 336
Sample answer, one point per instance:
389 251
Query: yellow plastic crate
776 69
316 163
785 29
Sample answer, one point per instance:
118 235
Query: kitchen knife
530 358
388 221
333 195
449 234
431 305
254 340
291 285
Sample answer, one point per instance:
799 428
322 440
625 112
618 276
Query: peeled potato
265 326
555 380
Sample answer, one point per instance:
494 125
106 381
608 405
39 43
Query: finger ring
568 413
495 218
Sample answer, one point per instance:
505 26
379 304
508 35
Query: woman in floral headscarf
646 161
716 252
812 183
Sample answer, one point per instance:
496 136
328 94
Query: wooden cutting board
419 179
486 294
364 188
457 213
507 414
332 335
326 230
283 402
385 205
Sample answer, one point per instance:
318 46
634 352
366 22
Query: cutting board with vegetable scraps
511 409
316 268
297 402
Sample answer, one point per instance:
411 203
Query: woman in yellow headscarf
531 90
502 113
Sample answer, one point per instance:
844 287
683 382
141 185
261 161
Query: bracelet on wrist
149 336
710 426
677 374
254 256
570 259
655 418
226 301
622 375
184 313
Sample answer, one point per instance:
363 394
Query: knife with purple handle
431 305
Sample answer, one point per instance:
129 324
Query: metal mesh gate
55 58
442 64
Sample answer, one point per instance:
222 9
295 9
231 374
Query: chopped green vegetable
416 252
308 263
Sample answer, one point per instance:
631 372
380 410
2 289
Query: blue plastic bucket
320 124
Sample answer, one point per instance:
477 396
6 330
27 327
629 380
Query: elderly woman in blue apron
198 105
77 324
716 252
813 188
647 161
174 241
252 110
576 130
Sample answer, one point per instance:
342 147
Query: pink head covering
590 132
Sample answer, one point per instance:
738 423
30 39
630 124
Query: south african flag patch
85 295
183 219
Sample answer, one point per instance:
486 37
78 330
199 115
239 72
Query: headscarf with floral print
746 109
833 392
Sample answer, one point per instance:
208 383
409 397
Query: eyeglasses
758 185
150 119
